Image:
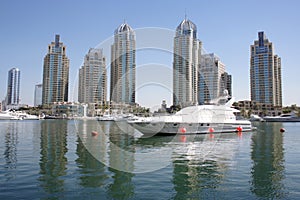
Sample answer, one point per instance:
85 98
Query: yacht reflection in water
268 162
198 161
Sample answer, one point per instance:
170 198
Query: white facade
211 85
92 87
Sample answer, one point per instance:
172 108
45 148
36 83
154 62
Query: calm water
59 159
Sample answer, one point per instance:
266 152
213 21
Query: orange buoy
94 133
239 129
282 130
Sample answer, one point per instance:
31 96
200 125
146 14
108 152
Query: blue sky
227 28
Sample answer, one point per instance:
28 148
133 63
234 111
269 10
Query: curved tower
122 87
186 60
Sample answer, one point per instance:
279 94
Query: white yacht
255 118
200 119
8 115
291 117
27 116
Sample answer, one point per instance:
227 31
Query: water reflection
10 153
122 186
92 172
199 166
107 148
268 162
53 156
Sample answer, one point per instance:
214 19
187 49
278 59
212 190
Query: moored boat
291 117
199 119
8 115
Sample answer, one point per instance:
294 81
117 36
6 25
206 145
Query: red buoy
94 133
182 130
282 130
239 129
211 129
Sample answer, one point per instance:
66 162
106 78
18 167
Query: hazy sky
226 28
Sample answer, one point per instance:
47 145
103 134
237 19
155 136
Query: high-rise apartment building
265 72
55 73
92 87
38 92
13 87
187 55
226 83
212 78
122 85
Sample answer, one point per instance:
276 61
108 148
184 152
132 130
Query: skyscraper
226 83
265 72
211 84
187 54
38 91
13 87
122 86
92 87
55 73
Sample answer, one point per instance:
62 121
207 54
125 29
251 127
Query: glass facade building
38 91
13 87
123 66
186 59
265 72
55 73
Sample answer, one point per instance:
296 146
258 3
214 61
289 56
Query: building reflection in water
105 152
268 162
92 171
119 158
53 155
10 153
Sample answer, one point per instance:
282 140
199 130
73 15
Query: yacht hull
162 128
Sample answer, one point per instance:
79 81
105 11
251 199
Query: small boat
106 118
26 116
199 119
255 118
291 117
9 115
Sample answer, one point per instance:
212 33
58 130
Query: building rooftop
123 28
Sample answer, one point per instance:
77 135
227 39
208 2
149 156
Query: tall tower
211 82
92 87
187 53
265 72
38 91
55 73
122 86
13 87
